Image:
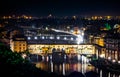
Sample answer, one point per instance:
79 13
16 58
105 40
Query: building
48 40
18 43
99 46
112 45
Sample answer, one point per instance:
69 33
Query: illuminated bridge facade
44 43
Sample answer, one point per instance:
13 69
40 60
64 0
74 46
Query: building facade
18 43
112 45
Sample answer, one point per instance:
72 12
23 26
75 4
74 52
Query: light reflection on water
66 67
81 65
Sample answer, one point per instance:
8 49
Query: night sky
59 7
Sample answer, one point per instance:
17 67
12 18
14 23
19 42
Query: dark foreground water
80 64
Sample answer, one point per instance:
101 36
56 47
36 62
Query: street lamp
114 61
119 62
79 39
102 55
24 56
109 58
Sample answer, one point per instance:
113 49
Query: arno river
80 64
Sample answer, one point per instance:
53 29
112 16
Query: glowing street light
102 55
109 58
24 56
35 38
119 62
114 61
29 38
79 39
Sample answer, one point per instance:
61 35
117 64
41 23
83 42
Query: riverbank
106 65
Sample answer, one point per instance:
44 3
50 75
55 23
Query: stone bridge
68 49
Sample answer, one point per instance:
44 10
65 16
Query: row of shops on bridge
68 49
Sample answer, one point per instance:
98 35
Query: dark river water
80 64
